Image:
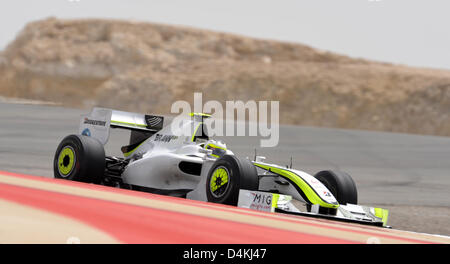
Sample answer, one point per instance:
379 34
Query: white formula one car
184 162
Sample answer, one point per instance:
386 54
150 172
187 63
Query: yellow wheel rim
219 181
66 161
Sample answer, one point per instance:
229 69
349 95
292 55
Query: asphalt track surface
389 169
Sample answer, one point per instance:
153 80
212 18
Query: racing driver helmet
218 148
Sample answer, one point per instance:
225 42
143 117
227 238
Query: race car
183 161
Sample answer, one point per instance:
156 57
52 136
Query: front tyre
340 184
227 176
79 158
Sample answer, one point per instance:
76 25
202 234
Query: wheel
227 176
340 184
79 158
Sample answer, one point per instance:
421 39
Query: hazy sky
412 32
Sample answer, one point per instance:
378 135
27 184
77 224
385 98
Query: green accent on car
309 192
131 151
275 198
200 114
195 132
214 146
221 174
383 214
66 160
128 124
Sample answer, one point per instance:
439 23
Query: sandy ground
148 66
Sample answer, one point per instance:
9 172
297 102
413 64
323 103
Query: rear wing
97 123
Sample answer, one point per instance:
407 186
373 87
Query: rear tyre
340 184
79 158
227 176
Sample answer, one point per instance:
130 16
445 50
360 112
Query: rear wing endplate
97 123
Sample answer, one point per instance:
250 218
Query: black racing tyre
79 158
227 176
340 184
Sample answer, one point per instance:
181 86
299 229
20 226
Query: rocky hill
145 67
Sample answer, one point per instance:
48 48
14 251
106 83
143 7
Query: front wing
272 202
